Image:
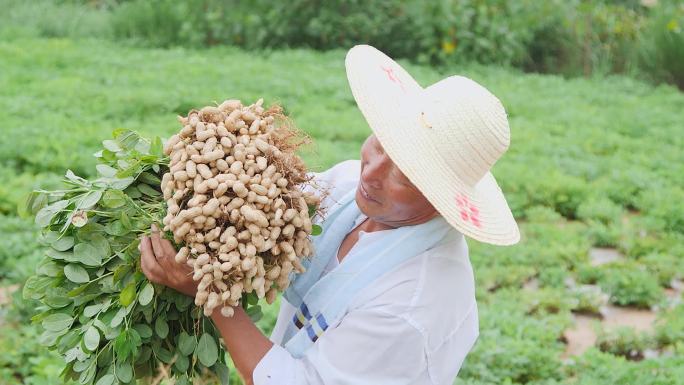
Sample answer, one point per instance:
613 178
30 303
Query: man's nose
375 172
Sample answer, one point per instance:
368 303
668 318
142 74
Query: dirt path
582 335
6 294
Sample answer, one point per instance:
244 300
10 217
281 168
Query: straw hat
445 138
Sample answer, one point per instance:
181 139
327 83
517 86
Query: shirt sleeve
446 362
370 346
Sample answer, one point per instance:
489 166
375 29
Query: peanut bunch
235 202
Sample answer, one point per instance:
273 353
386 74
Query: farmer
389 296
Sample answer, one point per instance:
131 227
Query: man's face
384 194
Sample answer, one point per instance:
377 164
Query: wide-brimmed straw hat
445 138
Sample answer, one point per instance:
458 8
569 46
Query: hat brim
479 211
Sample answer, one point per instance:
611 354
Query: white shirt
413 325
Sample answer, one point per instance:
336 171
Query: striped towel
323 301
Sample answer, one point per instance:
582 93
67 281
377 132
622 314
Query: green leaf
130 170
77 291
183 380
115 228
106 282
60 255
91 338
118 317
144 330
182 363
49 338
45 216
91 310
254 313
101 245
146 294
80 366
122 348
163 354
63 244
111 145
156 147
143 147
49 268
117 183
35 287
87 254
207 351
126 138
147 190
222 372
76 273
75 178
33 203
124 371
182 302
106 170
149 178
134 338
106 356
133 192
126 221
144 356
70 339
127 295
113 199
88 375
161 327
56 298
186 343
47 237
74 353
316 230
252 298
57 322
120 272
90 231
107 379
89 200
59 205
126 344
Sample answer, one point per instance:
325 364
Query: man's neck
370 225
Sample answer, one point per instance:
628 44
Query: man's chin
365 206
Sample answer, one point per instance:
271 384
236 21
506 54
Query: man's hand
158 263
244 341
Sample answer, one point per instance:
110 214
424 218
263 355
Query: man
388 297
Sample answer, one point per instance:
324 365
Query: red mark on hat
469 212
393 77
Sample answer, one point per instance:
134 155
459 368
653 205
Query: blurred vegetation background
594 175
568 37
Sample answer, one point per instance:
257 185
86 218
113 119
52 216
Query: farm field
595 175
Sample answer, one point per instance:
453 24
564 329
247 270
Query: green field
593 163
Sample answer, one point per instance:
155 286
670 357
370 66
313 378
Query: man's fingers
169 262
148 262
156 243
163 249
168 248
